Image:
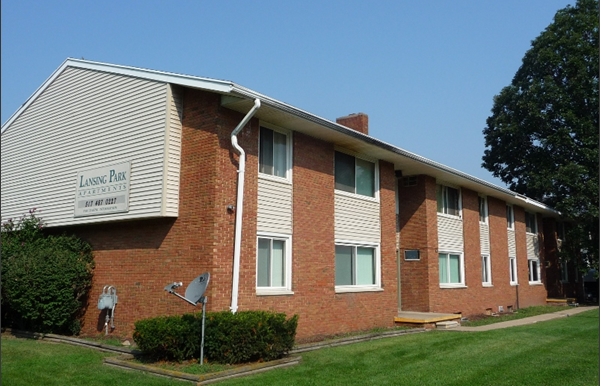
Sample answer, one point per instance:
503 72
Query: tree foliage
45 278
542 138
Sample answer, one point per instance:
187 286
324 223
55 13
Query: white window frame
444 193
509 212
483 200
377 286
531 269
376 196
486 271
461 283
287 288
513 270
535 223
288 134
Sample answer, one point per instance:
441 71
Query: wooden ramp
424 319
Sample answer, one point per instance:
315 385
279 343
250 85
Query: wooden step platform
424 319
561 302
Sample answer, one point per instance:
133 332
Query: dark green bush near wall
169 337
45 279
229 338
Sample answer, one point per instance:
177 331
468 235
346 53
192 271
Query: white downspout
239 203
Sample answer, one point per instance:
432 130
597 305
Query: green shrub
229 338
169 337
45 279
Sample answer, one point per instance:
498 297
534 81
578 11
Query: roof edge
384 145
227 87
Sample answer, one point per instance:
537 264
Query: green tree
542 138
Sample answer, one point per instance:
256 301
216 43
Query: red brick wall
321 311
418 225
418 230
140 257
529 295
358 122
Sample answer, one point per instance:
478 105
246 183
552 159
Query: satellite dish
197 288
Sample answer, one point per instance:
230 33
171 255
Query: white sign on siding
103 190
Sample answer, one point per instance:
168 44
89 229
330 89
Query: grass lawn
558 352
519 314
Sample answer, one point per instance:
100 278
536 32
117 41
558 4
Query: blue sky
424 71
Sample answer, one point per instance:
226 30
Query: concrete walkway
525 321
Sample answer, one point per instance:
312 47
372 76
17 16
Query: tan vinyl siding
173 150
356 219
83 120
274 211
532 246
450 234
484 239
511 243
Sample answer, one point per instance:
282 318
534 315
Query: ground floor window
357 266
513 270
564 271
273 263
486 277
450 269
534 271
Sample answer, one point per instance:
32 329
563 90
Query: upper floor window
273 153
509 211
355 175
531 222
447 200
483 209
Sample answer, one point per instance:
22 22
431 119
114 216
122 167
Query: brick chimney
357 121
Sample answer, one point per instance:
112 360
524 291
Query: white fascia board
508 194
214 85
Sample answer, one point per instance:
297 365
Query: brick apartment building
316 218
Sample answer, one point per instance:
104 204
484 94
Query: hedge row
246 336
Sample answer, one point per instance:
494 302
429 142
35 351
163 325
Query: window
447 200
450 269
513 271
273 153
564 271
560 233
355 175
357 265
533 270
486 270
509 211
412 254
409 181
531 222
273 264
483 209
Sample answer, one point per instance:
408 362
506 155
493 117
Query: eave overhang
241 99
